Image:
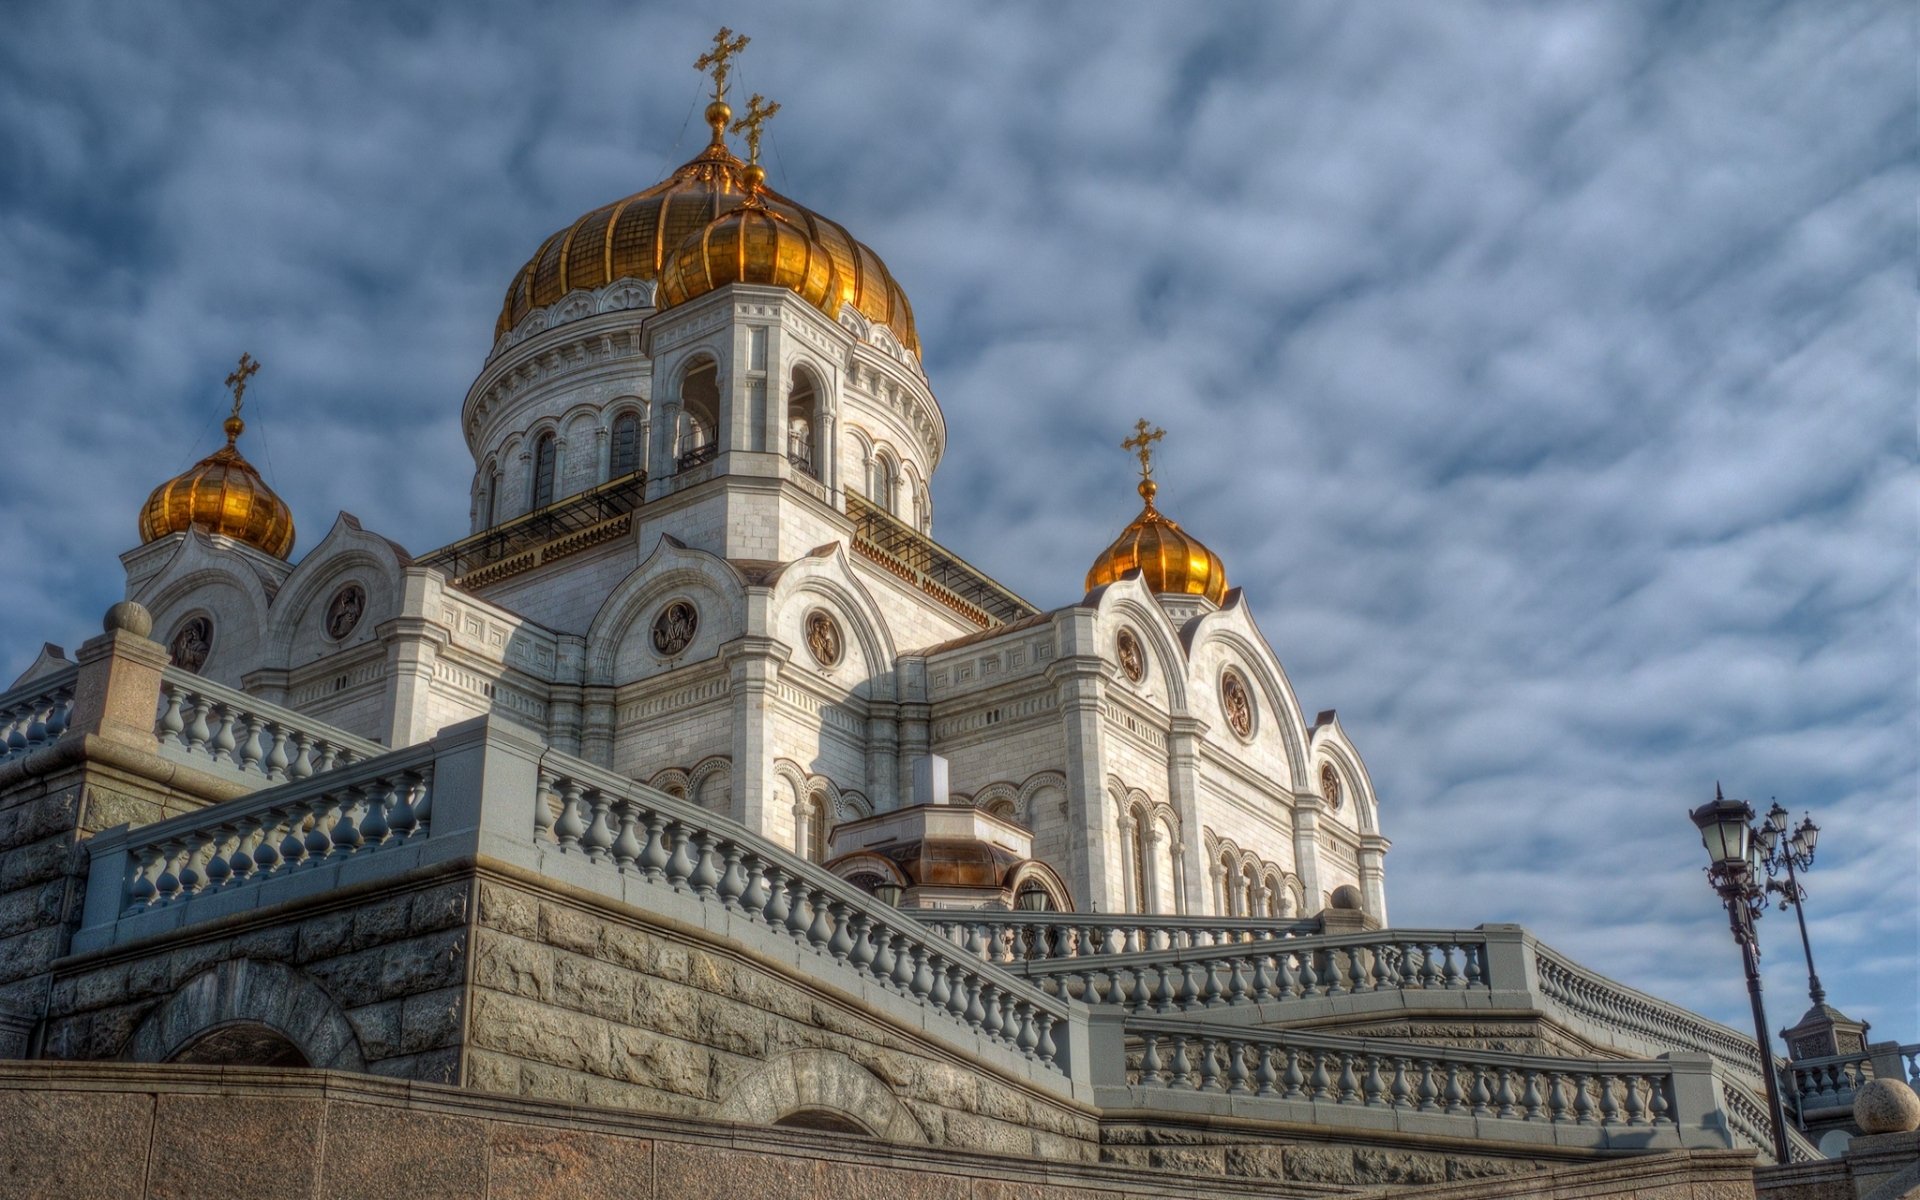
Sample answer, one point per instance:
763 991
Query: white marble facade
673 644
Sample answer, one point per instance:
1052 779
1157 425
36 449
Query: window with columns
545 456
803 423
623 452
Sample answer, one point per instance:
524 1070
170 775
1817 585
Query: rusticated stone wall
79 1130
391 961
1301 1156
586 1003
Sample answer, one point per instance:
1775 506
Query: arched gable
826 579
1128 602
347 554
673 568
1231 629
1331 744
203 578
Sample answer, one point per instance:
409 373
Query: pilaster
1183 792
1081 684
1306 850
1373 875
754 662
413 649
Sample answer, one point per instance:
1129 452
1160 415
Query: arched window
1229 895
489 496
1138 842
803 423
623 456
544 453
699 414
886 482
813 829
1250 889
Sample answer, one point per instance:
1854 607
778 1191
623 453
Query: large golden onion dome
1168 558
221 493
634 237
751 244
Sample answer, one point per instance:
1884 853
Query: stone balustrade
1478 1093
653 839
36 715
1269 972
202 724
1617 1009
352 812
1747 1117
1017 938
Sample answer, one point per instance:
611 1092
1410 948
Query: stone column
1081 687
1373 875
916 740
116 695
597 725
1183 791
754 662
826 456
1306 850
662 447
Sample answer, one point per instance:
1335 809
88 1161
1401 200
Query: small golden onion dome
1168 558
751 244
221 493
632 239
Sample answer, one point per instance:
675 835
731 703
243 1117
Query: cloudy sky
1544 372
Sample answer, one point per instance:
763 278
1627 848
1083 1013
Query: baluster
199 734
1531 1100
402 818
1559 1103
1453 976
1660 1109
172 723
1400 1095
332 757
1480 1095
1453 1095
250 753
1320 1084
1210 995
166 885
904 971
1636 1111
1374 1086
974 1014
1582 1103
568 830
222 745
373 826
1429 1087
1027 1036
799 908
654 859
1609 1107
941 975
759 890
141 890
1263 979
779 897
733 882
1288 986
597 841
346 831
240 864
302 765
1476 965
190 877
840 944
1263 1072
1149 1058
219 869
319 837
1309 978
1349 1085
1504 1097
1181 1073
1045 1048
820 931
994 1001
682 864
706 868
1210 1049
1430 974
1381 975
1188 991
628 846
276 745
1294 1080
423 800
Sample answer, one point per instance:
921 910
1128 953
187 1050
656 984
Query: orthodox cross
758 112
238 380
1142 443
725 46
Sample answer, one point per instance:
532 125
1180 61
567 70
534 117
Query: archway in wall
699 412
242 1044
803 423
824 1120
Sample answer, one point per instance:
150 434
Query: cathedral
698 824
702 554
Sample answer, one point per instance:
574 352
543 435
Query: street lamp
1738 855
1795 852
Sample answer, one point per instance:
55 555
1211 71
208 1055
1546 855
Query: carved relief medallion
1330 786
1132 661
823 637
674 627
345 610
1237 703
191 644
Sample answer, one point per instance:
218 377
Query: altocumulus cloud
1543 373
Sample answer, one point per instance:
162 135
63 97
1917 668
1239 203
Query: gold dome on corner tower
1168 558
633 238
222 493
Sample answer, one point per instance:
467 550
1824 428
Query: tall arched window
623 455
886 482
803 423
1139 847
1229 893
489 496
544 452
699 414
813 830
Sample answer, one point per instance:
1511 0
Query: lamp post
1736 869
1794 852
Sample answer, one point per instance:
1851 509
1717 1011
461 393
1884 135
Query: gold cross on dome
725 46
758 113
238 379
1142 443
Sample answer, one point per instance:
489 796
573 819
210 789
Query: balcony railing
211 727
698 456
36 714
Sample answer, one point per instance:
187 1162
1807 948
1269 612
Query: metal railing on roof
919 553
571 515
